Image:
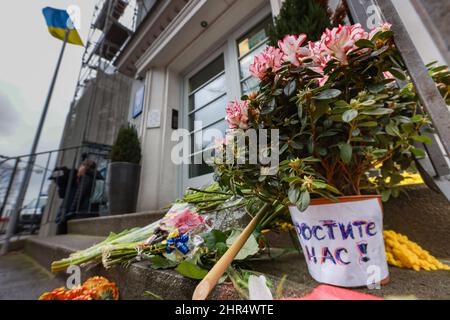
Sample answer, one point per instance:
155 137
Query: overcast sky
28 55
28 58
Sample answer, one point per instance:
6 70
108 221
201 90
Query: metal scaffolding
113 22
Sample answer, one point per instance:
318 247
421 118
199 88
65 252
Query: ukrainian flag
58 21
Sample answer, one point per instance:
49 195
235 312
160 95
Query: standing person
85 186
62 176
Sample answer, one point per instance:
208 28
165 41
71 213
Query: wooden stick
208 283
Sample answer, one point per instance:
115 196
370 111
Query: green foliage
127 147
311 17
441 75
332 135
191 270
250 248
159 262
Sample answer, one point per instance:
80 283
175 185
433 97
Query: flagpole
29 168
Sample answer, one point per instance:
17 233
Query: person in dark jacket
85 185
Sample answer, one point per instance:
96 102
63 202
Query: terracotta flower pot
343 241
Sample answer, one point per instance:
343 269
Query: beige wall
159 175
160 178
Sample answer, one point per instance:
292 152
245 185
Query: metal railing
55 166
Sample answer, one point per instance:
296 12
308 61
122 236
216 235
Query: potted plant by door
347 133
124 172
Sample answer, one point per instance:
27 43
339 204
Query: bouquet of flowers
184 239
170 233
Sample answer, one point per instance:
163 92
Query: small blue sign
138 104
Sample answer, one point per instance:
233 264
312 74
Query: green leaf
368 124
375 87
417 118
289 90
378 153
300 111
250 248
304 201
296 145
323 152
398 73
293 194
349 115
321 109
346 152
368 103
212 238
159 262
319 185
377 111
356 132
191 270
341 103
440 68
418 152
423 139
269 107
221 248
364 43
328 94
379 51
392 129
385 195
277 92
386 34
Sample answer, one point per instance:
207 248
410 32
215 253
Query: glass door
206 101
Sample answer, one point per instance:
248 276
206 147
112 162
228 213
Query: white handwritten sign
343 242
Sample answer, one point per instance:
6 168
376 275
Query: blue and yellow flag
58 21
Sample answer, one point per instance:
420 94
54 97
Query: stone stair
134 280
420 214
103 226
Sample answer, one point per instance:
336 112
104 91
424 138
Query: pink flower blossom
388 75
341 40
237 114
269 60
320 60
184 221
293 50
385 26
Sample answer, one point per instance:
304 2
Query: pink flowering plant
344 106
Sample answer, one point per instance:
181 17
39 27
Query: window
225 76
207 98
249 46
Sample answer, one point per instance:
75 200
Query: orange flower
106 291
75 292
94 282
57 294
85 297
95 288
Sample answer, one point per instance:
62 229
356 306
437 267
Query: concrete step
103 226
426 214
47 250
134 280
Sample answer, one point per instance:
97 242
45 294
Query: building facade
188 59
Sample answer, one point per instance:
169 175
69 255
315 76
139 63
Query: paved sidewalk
21 278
